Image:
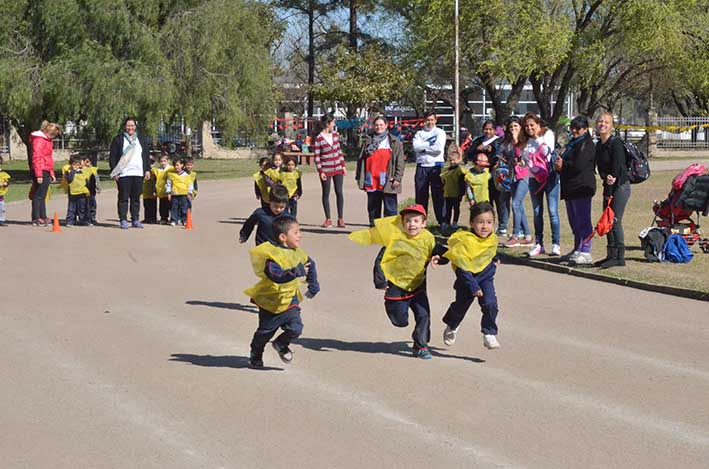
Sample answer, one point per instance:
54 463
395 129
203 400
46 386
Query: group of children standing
170 190
81 182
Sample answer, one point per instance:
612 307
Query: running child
4 183
401 266
474 260
477 180
263 217
179 191
77 208
277 294
263 182
453 178
289 177
94 185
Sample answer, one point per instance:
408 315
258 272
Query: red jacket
41 153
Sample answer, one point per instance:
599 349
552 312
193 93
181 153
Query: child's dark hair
178 160
293 159
189 159
281 225
480 208
279 194
76 158
263 160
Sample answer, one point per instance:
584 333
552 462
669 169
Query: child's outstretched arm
277 274
437 255
248 228
257 191
311 279
380 280
299 190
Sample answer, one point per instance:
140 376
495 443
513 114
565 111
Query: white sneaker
490 341
555 250
536 250
582 258
449 336
570 256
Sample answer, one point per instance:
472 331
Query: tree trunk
503 110
353 25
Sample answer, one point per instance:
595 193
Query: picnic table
302 157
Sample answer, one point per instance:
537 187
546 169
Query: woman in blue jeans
512 154
541 139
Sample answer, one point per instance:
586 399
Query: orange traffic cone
55 225
188 223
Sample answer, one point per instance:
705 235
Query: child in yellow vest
453 178
277 294
159 174
289 177
150 200
189 167
478 180
77 208
474 260
401 266
94 185
4 183
179 190
263 182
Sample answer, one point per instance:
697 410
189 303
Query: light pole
456 108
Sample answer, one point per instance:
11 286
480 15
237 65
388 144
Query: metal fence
689 133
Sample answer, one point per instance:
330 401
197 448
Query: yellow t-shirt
289 181
479 182
4 177
64 184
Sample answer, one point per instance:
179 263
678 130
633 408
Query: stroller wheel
704 245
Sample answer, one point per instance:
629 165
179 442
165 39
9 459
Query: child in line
408 249
276 165
94 185
179 191
150 200
4 183
189 167
277 294
263 182
159 174
289 176
474 260
477 180
453 178
262 218
77 208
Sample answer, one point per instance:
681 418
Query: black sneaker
284 352
255 362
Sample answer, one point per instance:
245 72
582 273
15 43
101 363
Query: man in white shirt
429 144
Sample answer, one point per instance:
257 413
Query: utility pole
456 117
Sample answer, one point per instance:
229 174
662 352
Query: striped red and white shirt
328 156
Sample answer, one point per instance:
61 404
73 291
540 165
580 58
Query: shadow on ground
390 348
217 361
218 304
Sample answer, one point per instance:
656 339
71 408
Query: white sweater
429 145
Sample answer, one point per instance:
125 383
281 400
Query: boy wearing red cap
400 268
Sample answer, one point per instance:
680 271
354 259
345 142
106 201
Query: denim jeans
501 201
178 210
520 188
551 190
77 208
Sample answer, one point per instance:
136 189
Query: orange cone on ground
55 224
188 223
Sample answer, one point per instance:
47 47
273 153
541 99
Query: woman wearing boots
610 162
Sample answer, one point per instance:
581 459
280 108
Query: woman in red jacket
331 167
42 167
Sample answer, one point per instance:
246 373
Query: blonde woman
610 163
42 168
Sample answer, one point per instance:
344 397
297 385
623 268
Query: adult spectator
577 173
331 167
42 169
129 160
380 169
610 162
429 144
540 141
511 152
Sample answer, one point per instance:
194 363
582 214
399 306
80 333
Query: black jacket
262 220
610 159
578 175
116 151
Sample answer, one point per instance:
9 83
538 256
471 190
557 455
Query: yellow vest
289 181
160 176
405 258
64 184
78 186
267 294
451 181
478 182
180 183
193 178
149 187
469 252
3 178
263 187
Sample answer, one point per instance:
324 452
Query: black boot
610 254
618 260
621 255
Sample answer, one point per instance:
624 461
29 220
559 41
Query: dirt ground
129 349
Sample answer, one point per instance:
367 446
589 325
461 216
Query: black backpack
637 164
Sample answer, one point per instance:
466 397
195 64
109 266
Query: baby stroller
685 204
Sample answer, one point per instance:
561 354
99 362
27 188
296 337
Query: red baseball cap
416 208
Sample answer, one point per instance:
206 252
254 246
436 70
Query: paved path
129 349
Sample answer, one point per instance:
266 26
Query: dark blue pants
464 298
293 207
268 325
502 205
430 177
91 208
77 208
39 206
150 209
451 209
165 207
398 312
178 211
375 200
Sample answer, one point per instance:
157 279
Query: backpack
676 250
539 166
637 164
652 241
501 177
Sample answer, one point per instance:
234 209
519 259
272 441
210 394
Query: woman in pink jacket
42 167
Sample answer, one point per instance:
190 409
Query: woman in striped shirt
331 167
